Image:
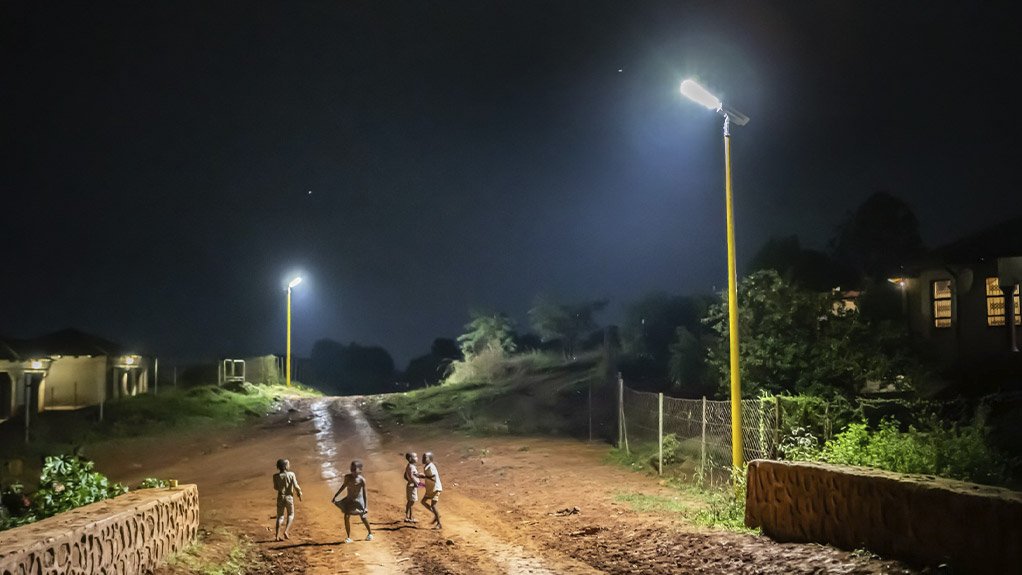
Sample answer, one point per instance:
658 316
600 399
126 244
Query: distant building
67 369
955 297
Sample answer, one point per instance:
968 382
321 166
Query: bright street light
290 286
702 96
693 91
697 93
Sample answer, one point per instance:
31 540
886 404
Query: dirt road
510 505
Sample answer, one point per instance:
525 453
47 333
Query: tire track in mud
468 543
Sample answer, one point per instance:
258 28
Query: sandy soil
510 505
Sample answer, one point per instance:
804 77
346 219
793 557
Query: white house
67 369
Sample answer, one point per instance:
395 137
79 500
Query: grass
178 410
527 393
714 508
197 407
720 507
217 552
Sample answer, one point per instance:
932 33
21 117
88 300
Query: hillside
524 394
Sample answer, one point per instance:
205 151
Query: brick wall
918 518
129 534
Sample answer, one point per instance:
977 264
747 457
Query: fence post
660 432
702 444
777 427
590 409
622 424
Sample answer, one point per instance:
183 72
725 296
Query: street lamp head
294 282
693 91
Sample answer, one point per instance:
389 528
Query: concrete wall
74 381
920 519
129 534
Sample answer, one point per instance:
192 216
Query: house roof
998 241
64 342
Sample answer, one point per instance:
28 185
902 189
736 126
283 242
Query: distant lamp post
290 286
700 95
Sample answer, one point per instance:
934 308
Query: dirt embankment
510 504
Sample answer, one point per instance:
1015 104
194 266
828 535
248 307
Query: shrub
954 452
799 445
153 483
66 482
726 508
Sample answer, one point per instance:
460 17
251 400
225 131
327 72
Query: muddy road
510 505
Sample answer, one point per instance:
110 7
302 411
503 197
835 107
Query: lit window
995 304
942 303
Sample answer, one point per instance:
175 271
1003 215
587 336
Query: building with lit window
65 370
955 298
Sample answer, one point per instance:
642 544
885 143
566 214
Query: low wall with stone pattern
129 534
918 518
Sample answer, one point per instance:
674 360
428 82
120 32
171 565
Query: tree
810 269
352 369
429 369
880 237
566 323
687 365
798 341
651 322
487 331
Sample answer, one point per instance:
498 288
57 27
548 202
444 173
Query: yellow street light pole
697 93
287 368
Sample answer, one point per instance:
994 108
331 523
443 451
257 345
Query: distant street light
701 95
290 286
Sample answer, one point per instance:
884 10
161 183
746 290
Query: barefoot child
433 488
285 482
355 502
411 486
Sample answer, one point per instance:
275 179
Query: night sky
168 166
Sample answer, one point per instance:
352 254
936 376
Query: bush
726 508
954 452
799 445
66 482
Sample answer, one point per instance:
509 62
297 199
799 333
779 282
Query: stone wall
918 518
128 535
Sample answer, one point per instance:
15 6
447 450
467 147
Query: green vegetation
956 452
493 332
66 482
721 507
564 323
218 552
799 341
69 481
491 393
192 408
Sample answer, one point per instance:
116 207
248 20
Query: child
411 486
355 503
433 487
285 482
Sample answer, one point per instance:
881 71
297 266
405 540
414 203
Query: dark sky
158 156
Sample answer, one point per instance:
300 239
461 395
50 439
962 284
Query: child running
355 502
433 487
285 482
411 486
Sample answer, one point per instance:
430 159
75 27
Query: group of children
285 483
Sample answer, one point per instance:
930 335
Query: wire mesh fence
693 436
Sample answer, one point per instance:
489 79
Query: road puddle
325 444
370 439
